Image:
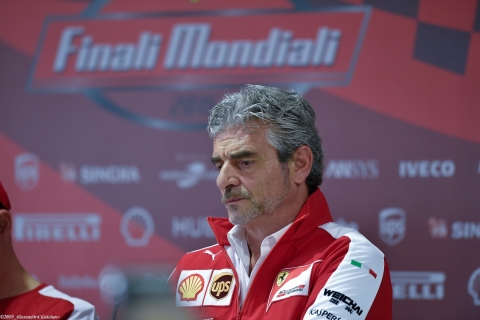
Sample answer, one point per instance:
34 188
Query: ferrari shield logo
282 276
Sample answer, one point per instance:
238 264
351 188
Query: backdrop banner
107 163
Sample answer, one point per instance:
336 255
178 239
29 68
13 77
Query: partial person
21 294
279 254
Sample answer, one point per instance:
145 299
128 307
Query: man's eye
219 167
246 163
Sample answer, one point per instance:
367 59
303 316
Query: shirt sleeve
83 311
353 282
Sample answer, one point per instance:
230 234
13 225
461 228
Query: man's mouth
233 200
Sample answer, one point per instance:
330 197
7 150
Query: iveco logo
426 169
392 225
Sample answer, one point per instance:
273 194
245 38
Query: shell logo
190 287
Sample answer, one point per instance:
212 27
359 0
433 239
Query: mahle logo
392 225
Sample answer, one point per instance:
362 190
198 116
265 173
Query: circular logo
221 285
113 284
137 217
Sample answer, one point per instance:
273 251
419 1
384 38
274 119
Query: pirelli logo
269 47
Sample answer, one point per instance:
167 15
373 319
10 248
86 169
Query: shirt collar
237 238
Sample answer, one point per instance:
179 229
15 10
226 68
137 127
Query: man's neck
257 230
14 279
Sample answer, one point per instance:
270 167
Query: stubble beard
258 208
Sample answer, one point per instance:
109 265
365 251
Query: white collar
238 241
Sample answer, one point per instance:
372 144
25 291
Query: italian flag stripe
363 266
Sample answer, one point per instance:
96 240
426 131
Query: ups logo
221 285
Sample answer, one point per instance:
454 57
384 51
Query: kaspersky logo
190 287
94 55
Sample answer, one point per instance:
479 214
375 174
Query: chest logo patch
190 287
282 276
221 285
291 282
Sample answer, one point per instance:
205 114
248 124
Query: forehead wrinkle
233 155
240 154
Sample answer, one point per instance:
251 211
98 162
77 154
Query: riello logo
280 47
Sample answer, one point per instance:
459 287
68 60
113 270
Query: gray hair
289 117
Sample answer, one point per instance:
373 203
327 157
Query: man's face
252 181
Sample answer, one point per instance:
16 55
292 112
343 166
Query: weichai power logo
190 287
221 285
101 54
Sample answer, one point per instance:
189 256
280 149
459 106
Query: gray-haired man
279 255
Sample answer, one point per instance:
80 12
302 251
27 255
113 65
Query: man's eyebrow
234 155
241 154
216 159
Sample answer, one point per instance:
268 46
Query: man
20 293
279 255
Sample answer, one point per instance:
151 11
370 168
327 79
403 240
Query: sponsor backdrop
104 152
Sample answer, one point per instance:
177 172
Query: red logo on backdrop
114 60
27 171
437 227
78 54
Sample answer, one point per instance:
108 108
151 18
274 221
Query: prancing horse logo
282 276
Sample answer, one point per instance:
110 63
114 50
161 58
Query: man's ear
5 225
302 161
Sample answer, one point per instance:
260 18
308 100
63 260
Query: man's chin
242 219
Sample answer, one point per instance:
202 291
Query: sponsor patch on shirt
220 289
191 287
205 287
323 314
291 282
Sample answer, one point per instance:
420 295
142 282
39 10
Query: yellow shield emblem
282 276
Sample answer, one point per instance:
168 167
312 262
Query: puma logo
211 253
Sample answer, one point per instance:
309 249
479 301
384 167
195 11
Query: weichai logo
266 47
102 55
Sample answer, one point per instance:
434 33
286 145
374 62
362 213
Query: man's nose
227 177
